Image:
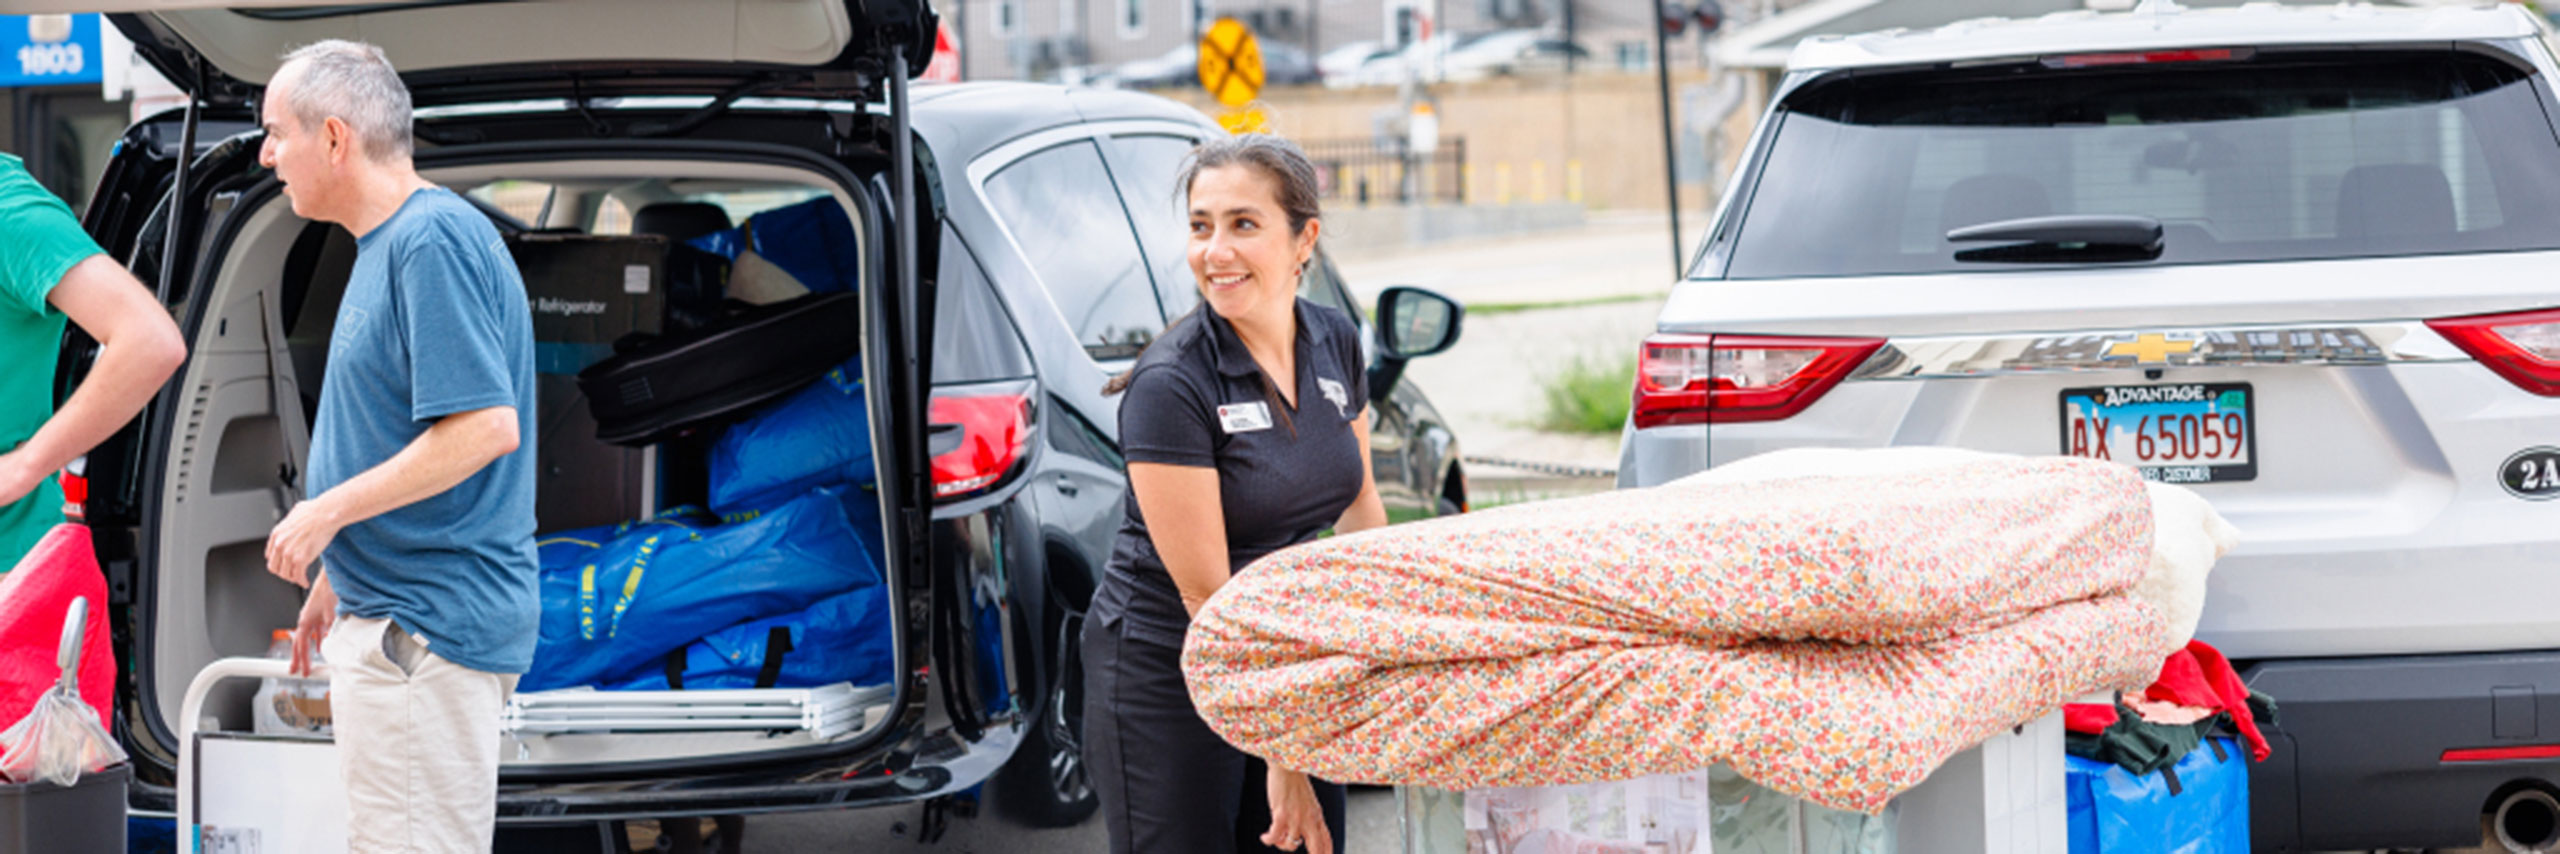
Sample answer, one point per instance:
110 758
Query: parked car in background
1048 248
1339 65
1283 64
1176 67
1287 64
1511 52
2295 257
1421 60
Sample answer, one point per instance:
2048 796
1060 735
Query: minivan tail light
2524 346
978 435
1692 379
74 481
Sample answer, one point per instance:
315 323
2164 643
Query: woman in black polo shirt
1246 428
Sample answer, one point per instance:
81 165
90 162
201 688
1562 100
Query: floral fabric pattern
1831 637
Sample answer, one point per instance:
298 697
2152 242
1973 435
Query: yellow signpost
1231 69
1247 120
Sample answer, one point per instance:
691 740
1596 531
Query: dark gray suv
1016 245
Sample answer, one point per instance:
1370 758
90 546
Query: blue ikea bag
817 436
627 603
843 638
812 240
2113 811
561 549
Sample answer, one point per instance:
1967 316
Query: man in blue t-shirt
421 504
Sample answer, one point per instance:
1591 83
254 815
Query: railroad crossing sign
1230 63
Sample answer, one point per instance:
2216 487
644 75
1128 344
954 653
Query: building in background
68 88
53 109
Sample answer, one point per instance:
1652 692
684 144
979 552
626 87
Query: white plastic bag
61 738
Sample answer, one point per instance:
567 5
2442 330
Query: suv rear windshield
2275 156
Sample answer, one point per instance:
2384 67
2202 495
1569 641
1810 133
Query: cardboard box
2005 796
580 482
587 291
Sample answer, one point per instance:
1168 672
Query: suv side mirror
1412 323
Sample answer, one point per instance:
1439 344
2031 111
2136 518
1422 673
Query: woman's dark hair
1277 157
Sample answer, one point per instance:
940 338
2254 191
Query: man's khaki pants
417 741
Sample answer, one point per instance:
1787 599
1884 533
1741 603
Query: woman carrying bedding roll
1246 430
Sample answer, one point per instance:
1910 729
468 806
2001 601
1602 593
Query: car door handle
1067 486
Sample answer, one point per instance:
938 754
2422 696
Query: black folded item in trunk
661 387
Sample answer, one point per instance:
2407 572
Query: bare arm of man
139 349
1187 524
1367 510
451 450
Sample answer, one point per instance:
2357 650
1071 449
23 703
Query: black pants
1168 783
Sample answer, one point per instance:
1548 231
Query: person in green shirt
49 271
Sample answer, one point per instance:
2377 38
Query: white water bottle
289 706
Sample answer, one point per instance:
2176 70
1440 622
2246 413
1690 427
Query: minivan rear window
2262 156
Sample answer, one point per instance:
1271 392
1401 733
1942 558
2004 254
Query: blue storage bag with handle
818 436
811 240
843 638
561 549
2198 806
621 607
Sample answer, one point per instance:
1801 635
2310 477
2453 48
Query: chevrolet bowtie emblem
2150 347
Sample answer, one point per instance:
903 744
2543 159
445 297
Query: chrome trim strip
1942 357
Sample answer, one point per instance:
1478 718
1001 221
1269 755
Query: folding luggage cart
239 792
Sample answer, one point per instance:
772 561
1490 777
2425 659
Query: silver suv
2299 258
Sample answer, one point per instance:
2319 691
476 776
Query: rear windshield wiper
2089 238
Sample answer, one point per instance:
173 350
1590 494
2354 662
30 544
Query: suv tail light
2524 347
1692 379
2153 57
978 435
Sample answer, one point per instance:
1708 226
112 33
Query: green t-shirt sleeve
39 242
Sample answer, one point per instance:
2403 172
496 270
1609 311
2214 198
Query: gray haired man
421 504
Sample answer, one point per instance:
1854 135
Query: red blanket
33 597
1834 638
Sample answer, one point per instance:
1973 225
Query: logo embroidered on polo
1340 396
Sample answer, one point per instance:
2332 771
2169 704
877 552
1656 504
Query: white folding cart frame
240 793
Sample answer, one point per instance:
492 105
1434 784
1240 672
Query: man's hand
319 613
19 476
296 542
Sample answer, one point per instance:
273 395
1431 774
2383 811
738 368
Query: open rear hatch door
459 51
483 51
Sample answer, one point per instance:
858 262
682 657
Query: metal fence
1364 172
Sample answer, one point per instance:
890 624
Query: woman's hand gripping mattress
1834 636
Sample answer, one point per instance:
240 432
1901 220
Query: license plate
2171 432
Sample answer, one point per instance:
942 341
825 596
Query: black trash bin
85 818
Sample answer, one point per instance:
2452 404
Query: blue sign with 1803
46 50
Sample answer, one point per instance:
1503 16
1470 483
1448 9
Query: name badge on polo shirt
1244 417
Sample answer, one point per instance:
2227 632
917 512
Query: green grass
1489 309
1589 395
